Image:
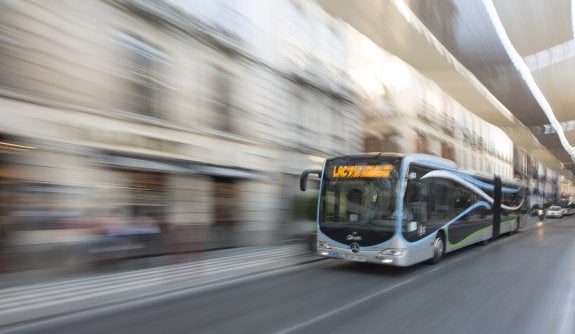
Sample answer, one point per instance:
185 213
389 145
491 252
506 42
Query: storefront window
146 196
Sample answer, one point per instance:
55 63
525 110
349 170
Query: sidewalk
24 301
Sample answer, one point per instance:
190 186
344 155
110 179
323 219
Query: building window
9 64
223 90
372 144
139 198
421 143
226 214
299 118
145 64
447 151
385 144
390 143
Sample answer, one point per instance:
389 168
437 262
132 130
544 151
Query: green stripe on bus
474 233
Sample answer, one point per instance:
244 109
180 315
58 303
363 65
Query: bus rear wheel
438 249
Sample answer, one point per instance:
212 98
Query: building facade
129 114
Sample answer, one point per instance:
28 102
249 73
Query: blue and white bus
400 210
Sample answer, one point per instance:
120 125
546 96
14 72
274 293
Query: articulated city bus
400 209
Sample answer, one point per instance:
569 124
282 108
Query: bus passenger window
416 201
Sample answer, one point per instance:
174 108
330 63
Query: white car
554 211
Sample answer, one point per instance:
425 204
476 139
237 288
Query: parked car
554 211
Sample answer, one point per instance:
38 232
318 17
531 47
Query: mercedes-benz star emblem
355 247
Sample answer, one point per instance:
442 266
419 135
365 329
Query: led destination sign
349 171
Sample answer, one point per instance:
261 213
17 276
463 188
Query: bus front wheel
438 249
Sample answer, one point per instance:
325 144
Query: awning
174 166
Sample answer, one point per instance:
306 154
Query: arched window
371 144
447 151
421 143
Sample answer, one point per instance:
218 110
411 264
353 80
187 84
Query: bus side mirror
304 175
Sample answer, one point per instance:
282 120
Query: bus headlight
396 252
323 245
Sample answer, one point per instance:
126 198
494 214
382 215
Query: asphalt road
524 283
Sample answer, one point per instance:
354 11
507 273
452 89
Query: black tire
438 249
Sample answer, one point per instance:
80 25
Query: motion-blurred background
138 128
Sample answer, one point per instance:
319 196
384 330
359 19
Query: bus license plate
354 257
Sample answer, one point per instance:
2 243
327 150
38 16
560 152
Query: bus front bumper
387 256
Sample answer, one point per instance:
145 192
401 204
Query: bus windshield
359 195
